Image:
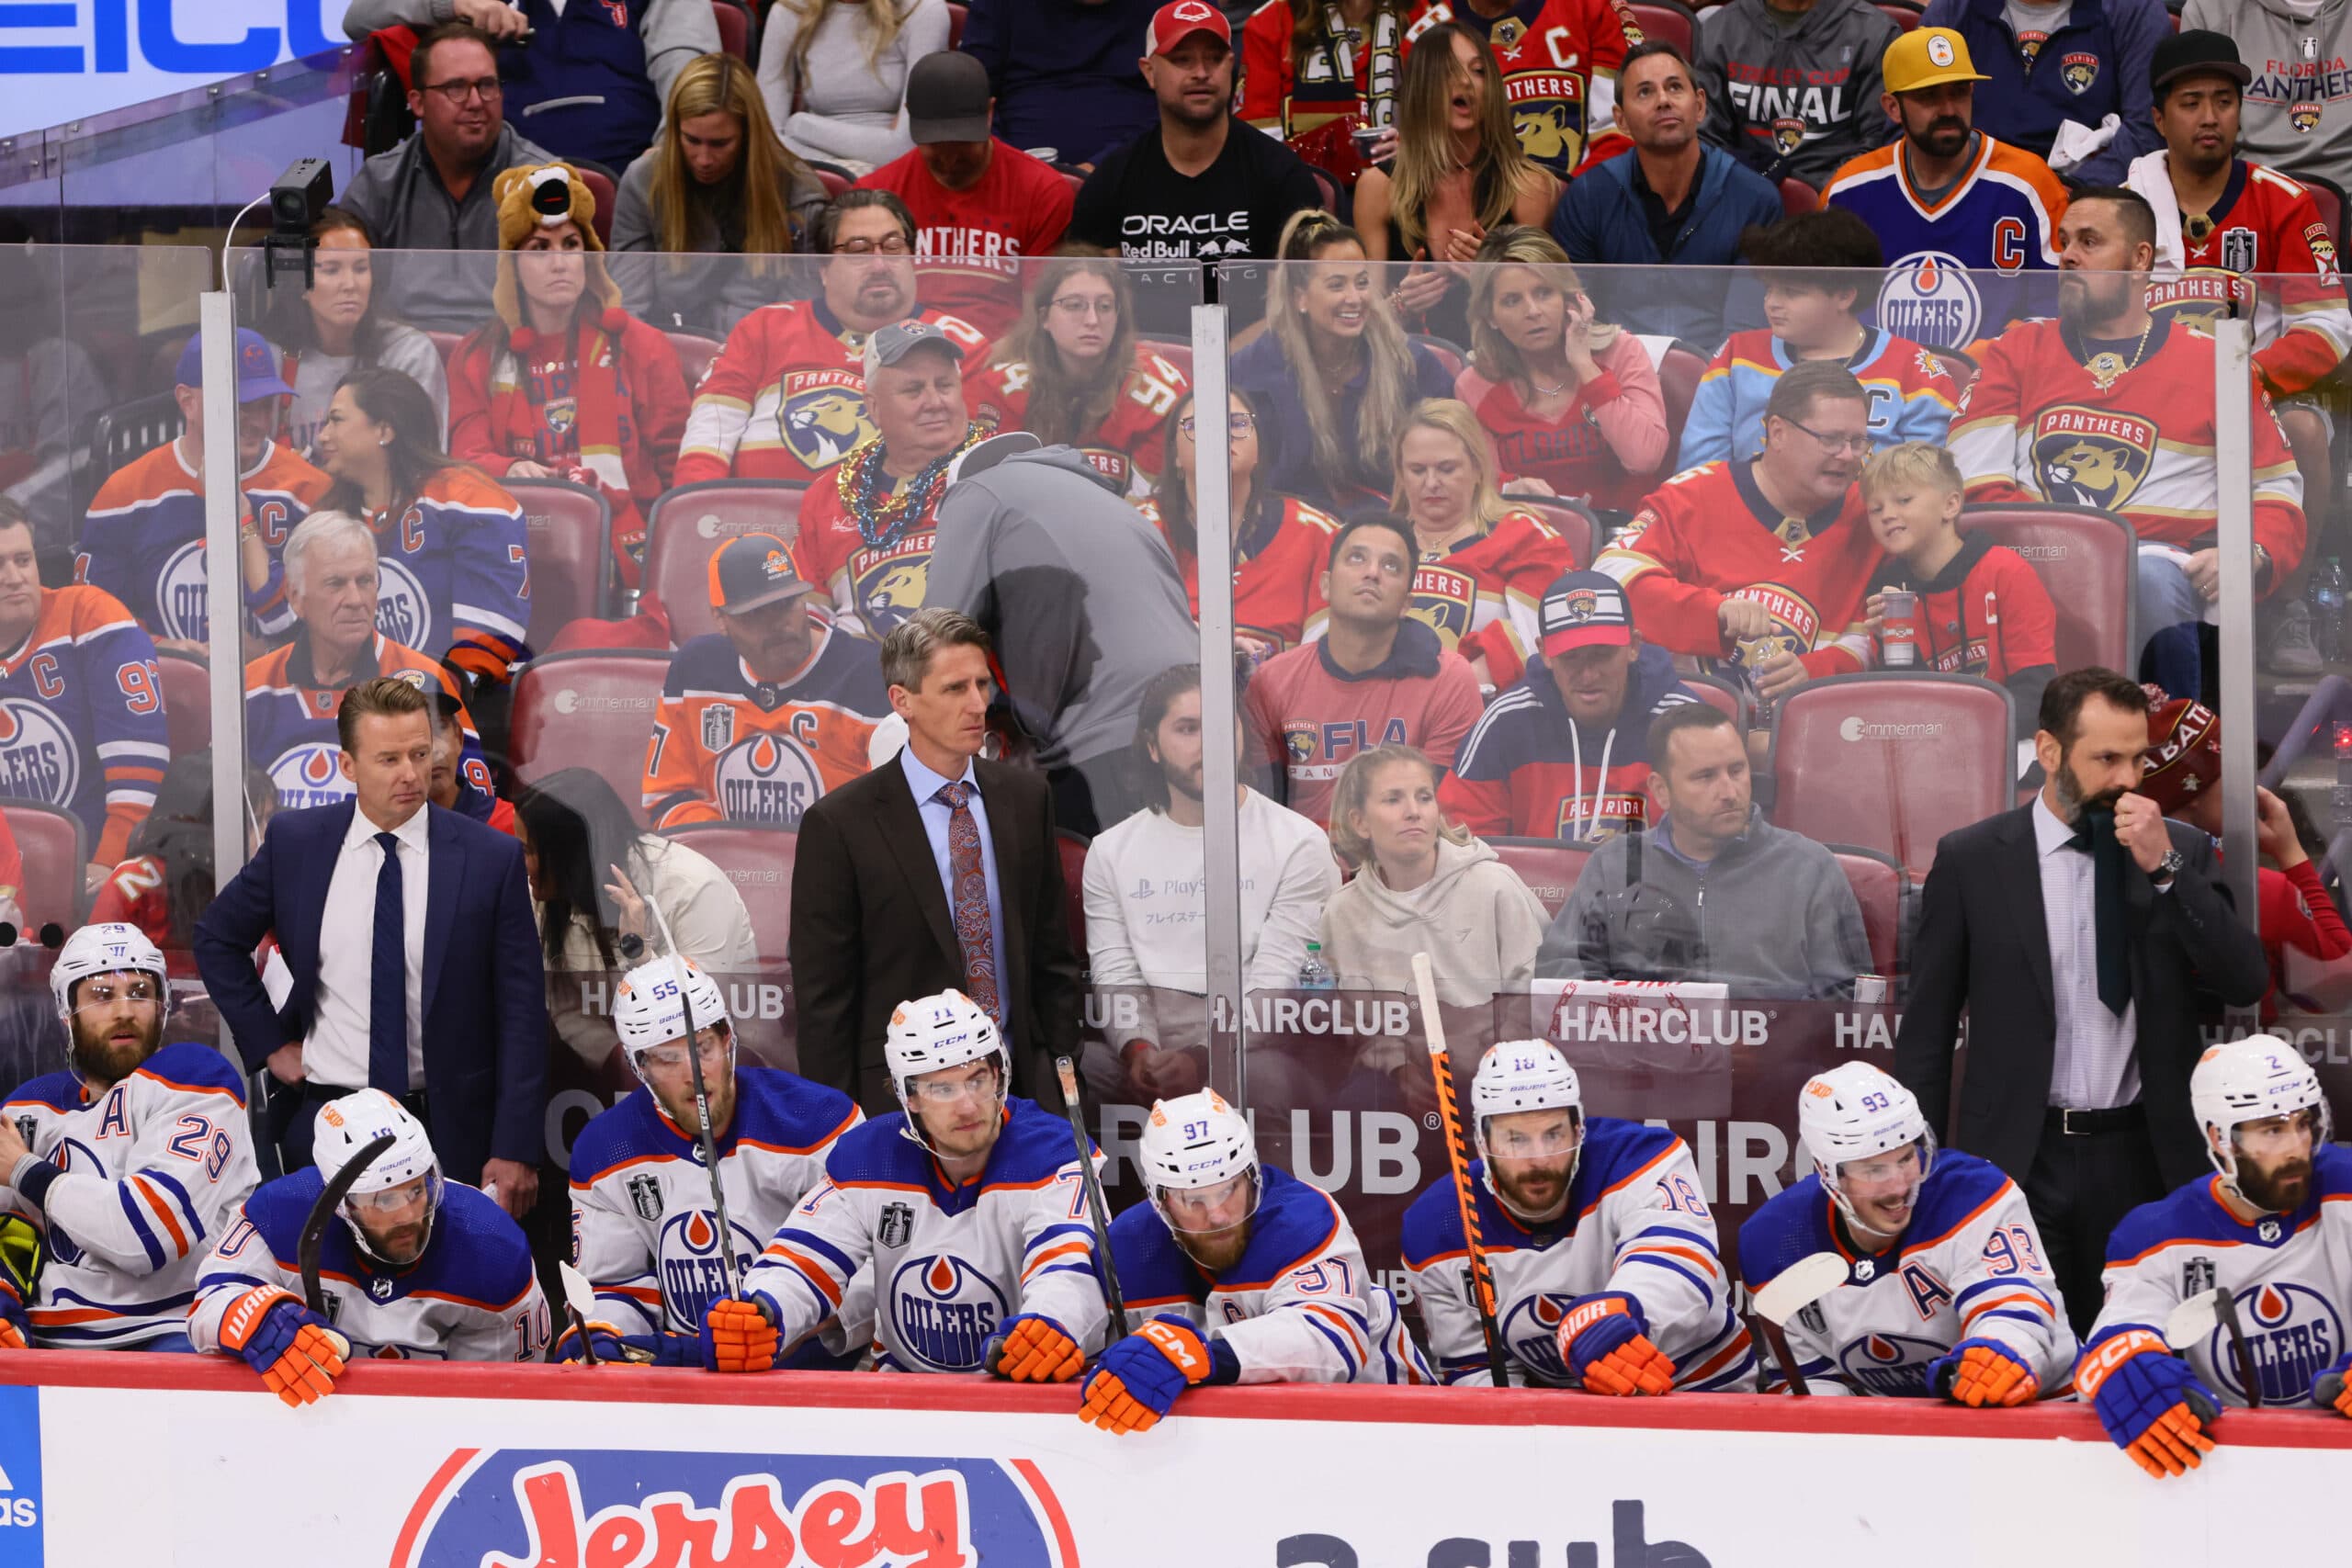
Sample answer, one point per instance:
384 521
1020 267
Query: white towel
2151 177
2076 142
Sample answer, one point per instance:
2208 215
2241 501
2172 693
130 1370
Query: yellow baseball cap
1928 57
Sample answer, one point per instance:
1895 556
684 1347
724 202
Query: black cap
947 98
2196 53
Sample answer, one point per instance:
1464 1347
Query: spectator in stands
761 717
1793 89
1377 676
454 576
1714 894
1279 541
980 207
2298 111
1063 72
462 778
332 328
49 385
1484 563
1562 64
1574 405
1416 873
715 183
866 530
1818 269
1072 372
433 193
1762 563
785 399
1143 883
561 382
1673 199
143 540
1947 191
166 877
1564 753
586 81
1334 372
2092 409
2059 69
834 76
1313 72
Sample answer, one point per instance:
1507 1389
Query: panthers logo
2303 116
1298 742
1443 601
822 423
1788 135
2090 456
1550 133
2078 72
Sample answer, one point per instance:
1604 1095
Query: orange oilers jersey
728 747
2267 226
1278 581
1480 596
1559 60
290 731
1125 448
81 716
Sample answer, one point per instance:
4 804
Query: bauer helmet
1856 1112
648 1010
2251 1080
348 1125
936 1032
104 950
1194 1141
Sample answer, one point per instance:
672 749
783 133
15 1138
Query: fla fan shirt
970 244
1311 717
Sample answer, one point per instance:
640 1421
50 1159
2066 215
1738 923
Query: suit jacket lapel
2022 870
900 821
445 876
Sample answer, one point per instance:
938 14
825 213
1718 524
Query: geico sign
117 36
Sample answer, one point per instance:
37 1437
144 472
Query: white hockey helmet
648 1010
2251 1080
348 1125
933 1033
1193 1141
1856 1112
104 950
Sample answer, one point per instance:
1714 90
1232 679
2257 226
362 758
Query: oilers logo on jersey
2091 457
180 594
39 757
309 774
768 778
2292 1334
1930 297
1531 1331
403 612
824 415
693 1271
947 1309
1892 1364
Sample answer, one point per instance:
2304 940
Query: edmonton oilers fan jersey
290 732
81 716
2291 1275
1970 1267
951 1264
1635 1225
1297 1308
472 1296
150 1174
452 568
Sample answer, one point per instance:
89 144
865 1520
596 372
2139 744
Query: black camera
297 197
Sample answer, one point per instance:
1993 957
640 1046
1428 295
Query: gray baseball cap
947 98
891 343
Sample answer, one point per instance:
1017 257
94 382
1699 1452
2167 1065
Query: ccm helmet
348 1125
2251 1080
933 1033
1193 1141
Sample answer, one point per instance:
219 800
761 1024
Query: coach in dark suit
417 965
934 870
2082 933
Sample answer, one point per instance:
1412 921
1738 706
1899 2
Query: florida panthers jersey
81 716
143 1181
1634 1223
143 540
785 399
1277 573
642 1227
452 568
1480 595
290 731
873 586
951 1263
1708 534
727 746
472 1296
2291 1275
2038 425
1529 770
1970 1267
2266 230
1910 395
1559 60
1987 613
1126 447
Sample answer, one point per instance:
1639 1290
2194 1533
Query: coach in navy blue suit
416 963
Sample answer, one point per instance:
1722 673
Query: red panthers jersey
970 244
873 586
2267 224
1573 451
1278 585
1986 614
81 716
1480 596
133 893
1559 60
1126 447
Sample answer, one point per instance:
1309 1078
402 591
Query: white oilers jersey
642 1227
951 1264
1634 1223
148 1176
472 1297
1297 1308
1970 1267
2291 1275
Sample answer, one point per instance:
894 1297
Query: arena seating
1905 16
1549 866
187 702
1892 762
1071 847
2088 561
757 860
686 528
1883 890
569 530
738 29
695 351
1723 694
55 848
587 710
1572 519
1668 19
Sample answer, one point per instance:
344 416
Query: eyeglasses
1235 424
1083 305
489 90
1835 443
895 245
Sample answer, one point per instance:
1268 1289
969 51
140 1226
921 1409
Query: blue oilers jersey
291 734
81 716
1969 1267
1634 1225
451 566
471 1297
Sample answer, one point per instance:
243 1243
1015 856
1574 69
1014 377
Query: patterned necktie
388 980
969 877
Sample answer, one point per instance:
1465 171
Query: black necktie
388 980
2095 838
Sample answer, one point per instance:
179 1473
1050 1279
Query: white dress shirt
2094 1065
336 1050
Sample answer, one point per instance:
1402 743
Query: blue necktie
388 981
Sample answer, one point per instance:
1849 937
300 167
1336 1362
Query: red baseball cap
2184 750
1173 23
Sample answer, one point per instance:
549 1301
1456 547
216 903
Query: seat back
568 530
1892 762
1678 370
757 860
1549 866
1796 197
695 350
1902 15
1668 19
2328 197
444 343
833 180
1573 523
2088 560
134 429
591 710
1883 888
956 12
55 846
687 527
600 186
187 702
1071 846
734 20
1449 353
1723 695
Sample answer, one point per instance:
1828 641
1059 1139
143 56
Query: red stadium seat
1961 367
1549 866
956 12
2087 560
600 186
1668 19
587 710
1723 695
757 859
1883 890
1072 846
833 180
1448 354
568 530
55 848
444 344
1678 370
1892 762
1798 197
1903 15
734 19
1577 525
2328 197
695 351
686 528
187 702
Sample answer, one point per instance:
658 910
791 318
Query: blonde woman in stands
834 76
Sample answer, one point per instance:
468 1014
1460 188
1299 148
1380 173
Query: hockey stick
2194 1321
579 1301
1457 1155
704 1137
332 1192
1789 1293
1093 1180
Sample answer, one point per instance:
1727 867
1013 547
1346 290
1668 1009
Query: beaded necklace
882 518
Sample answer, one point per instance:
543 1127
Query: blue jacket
1601 222
2095 66
1064 72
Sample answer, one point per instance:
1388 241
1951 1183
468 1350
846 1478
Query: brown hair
1062 407
2062 699
1798 388
1673 722
1388 382
386 696
421 58
907 652
719 83
1425 146
1355 789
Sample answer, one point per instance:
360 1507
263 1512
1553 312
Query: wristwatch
2174 860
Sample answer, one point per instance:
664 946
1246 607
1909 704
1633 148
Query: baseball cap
891 343
257 375
947 98
1178 20
753 570
1928 57
2197 53
1584 609
2183 750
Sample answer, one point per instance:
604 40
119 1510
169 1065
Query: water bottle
1314 974
2325 595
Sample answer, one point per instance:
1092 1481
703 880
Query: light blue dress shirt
926 784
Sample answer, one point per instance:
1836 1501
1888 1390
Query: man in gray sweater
2297 113
1713 893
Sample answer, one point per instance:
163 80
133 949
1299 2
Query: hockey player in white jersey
420 1269
132 1162
1255 1276
643 1229
1607 1275
1946 1292
969 1207
2271 1226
